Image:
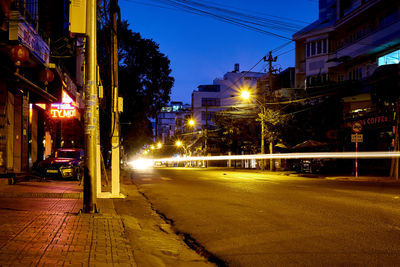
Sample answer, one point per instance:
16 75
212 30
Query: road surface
255 219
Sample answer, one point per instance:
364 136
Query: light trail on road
325 155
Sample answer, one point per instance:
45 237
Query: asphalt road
256 219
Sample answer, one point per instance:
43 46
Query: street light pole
246 96
270 70
91 104
115 123
262 136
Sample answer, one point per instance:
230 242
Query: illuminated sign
66 109
62 111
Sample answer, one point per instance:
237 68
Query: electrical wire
241 19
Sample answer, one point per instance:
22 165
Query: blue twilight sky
201 48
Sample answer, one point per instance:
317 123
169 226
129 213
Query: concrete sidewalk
41 225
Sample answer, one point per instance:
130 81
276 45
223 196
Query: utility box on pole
77 17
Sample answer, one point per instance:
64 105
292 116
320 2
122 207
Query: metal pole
206 137
98 150
89 183
262 136
115 148
270 70
356 163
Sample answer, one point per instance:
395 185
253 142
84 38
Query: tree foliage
238 134
144 83
274 122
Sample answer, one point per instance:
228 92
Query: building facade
353 50
349 41
171 121
222 94
35 78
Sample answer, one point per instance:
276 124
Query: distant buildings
171 120
222 94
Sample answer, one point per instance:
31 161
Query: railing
384 23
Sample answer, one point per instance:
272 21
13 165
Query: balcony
373 41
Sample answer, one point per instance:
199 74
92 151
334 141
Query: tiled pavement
36 230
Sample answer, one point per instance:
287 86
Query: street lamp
245 95
178 143
191 122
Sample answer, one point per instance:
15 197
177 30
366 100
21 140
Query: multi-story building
354 48
35 74
220 95
171 120
348 41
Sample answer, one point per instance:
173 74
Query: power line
250 22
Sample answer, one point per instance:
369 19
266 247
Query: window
312 48
210 102
324 46
210 115
391 58
319 47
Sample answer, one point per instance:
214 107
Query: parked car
317 165
67 163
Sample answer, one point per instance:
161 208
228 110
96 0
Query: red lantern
19 54
46 76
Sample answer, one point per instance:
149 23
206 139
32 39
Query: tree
144 83
236 134
274 122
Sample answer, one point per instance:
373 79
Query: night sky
202 48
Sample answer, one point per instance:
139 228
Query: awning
36 89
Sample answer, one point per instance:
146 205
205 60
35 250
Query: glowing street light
178 143
245 94
159 145
191 122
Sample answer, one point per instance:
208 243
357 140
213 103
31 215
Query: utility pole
263 134
394 168
206 137
270 59
115 123
91 104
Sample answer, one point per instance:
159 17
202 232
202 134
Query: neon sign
65 109
62 111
